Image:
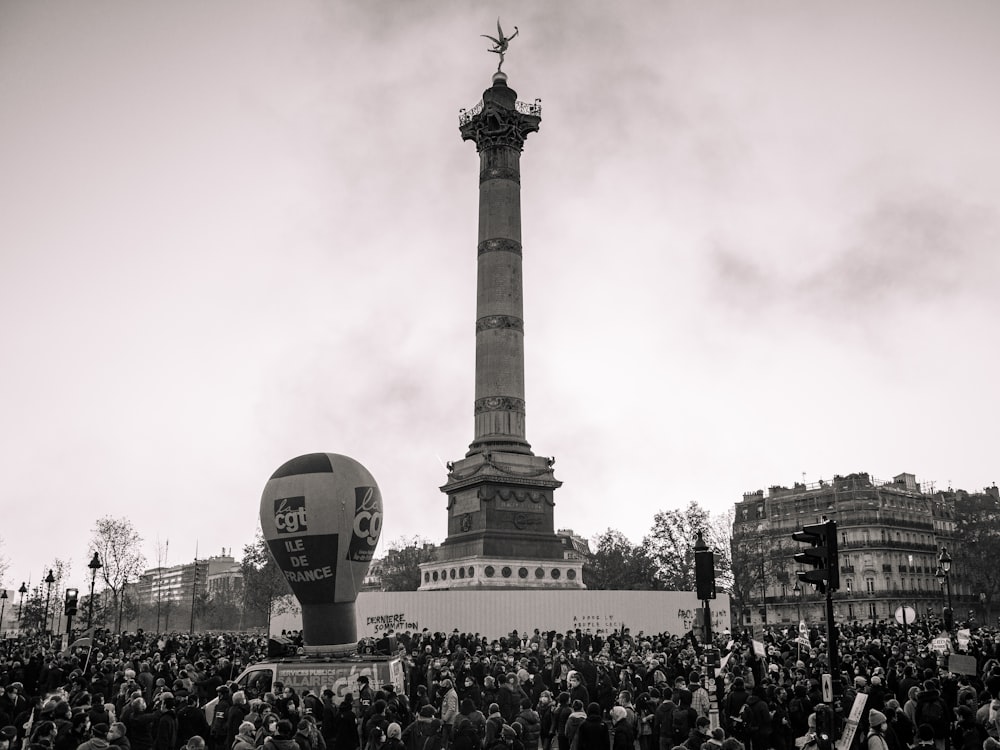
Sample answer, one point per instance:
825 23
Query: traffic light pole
824 573
831 629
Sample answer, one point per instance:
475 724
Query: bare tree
400 566
670 544
118 544
4 562
263 582
618 565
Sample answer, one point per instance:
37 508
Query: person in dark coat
191 719
732 704
346 726
592 734
165 737
235 715
760 731
283 740
466 737
415 734
621 729
531 724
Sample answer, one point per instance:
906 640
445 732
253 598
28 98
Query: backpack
745 723
681 725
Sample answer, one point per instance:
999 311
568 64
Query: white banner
494 613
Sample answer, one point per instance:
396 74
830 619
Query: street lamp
94 565
797 590
49 580
3 607
944 561
20 607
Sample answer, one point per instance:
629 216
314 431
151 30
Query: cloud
923 248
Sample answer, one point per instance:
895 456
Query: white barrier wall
496 613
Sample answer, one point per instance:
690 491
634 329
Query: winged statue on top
500 42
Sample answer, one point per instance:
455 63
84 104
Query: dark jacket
345 729
593 734
624 736
532 723
165 737
191 721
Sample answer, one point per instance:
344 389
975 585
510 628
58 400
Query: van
340 674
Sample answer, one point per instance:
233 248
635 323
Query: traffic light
704 570
821 556
71 601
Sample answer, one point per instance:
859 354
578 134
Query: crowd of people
538 690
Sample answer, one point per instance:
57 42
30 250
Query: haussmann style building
890 538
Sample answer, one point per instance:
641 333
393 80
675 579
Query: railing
465 115
892 543
534 109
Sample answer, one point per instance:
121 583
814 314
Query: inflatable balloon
321 515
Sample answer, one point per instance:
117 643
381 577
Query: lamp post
94 565
20 607
3 608
944 561
49 580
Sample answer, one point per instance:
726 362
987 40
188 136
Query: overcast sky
760 245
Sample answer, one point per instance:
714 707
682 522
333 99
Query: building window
850 584
843 538
870 585
850 611
760 511
872 610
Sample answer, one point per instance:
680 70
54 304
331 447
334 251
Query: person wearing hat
98 739
7 737
967 734
877 727
43 734
415 735
932 709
